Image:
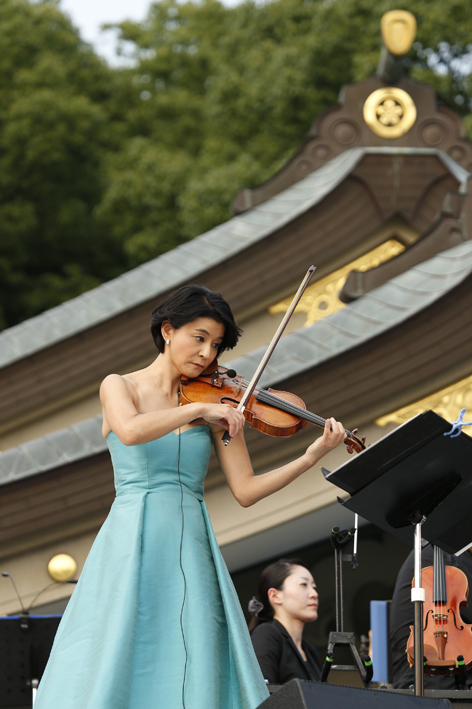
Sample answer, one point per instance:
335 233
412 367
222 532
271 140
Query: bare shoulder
117 384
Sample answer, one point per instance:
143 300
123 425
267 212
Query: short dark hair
188 303
273 576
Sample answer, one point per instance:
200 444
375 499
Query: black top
402 616
279 658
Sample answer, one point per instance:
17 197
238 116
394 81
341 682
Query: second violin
446 636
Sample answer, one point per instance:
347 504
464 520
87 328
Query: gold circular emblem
389 112
62 567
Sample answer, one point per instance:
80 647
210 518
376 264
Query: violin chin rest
432 658
431 653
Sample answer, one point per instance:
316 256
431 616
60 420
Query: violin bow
262 365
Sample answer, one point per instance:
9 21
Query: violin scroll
353 443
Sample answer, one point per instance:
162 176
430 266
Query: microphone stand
340 540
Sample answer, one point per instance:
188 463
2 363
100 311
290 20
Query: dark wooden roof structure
343 126
332 232
406 328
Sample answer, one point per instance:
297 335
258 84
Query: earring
167 342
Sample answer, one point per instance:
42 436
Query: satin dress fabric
154 622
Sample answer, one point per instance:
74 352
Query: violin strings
439 582
442 583
267 398
272 400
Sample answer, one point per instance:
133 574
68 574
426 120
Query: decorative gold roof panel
322 298
446 402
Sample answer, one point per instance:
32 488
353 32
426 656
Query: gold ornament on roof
321 299
398 29
446 402
389 112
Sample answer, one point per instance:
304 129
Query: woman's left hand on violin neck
333 435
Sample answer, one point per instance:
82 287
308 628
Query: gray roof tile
127 292
390 315
103 301
322 333
91 431
161 273
237 229
48 452
205 251
302 346
44 452
410 279
400 298
18 464
68 442
86 310
10 350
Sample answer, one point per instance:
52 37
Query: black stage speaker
301 694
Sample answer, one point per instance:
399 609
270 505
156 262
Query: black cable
183 574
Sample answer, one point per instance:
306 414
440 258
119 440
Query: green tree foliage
102 169
236 90
55 115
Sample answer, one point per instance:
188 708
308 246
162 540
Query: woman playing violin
155 612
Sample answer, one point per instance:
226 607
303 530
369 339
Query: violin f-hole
449 610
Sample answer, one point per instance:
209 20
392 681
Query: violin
275 413
445 635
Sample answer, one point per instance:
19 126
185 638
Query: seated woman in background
287 600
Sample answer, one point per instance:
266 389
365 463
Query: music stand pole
338 561
418 598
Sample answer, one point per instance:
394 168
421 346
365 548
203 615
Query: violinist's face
194 346
298 597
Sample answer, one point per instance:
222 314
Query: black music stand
25 646
415 482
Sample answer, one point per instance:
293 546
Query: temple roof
380 310
189 261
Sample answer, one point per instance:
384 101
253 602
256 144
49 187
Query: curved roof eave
382 309
190 260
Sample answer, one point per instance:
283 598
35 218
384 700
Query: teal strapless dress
154 622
